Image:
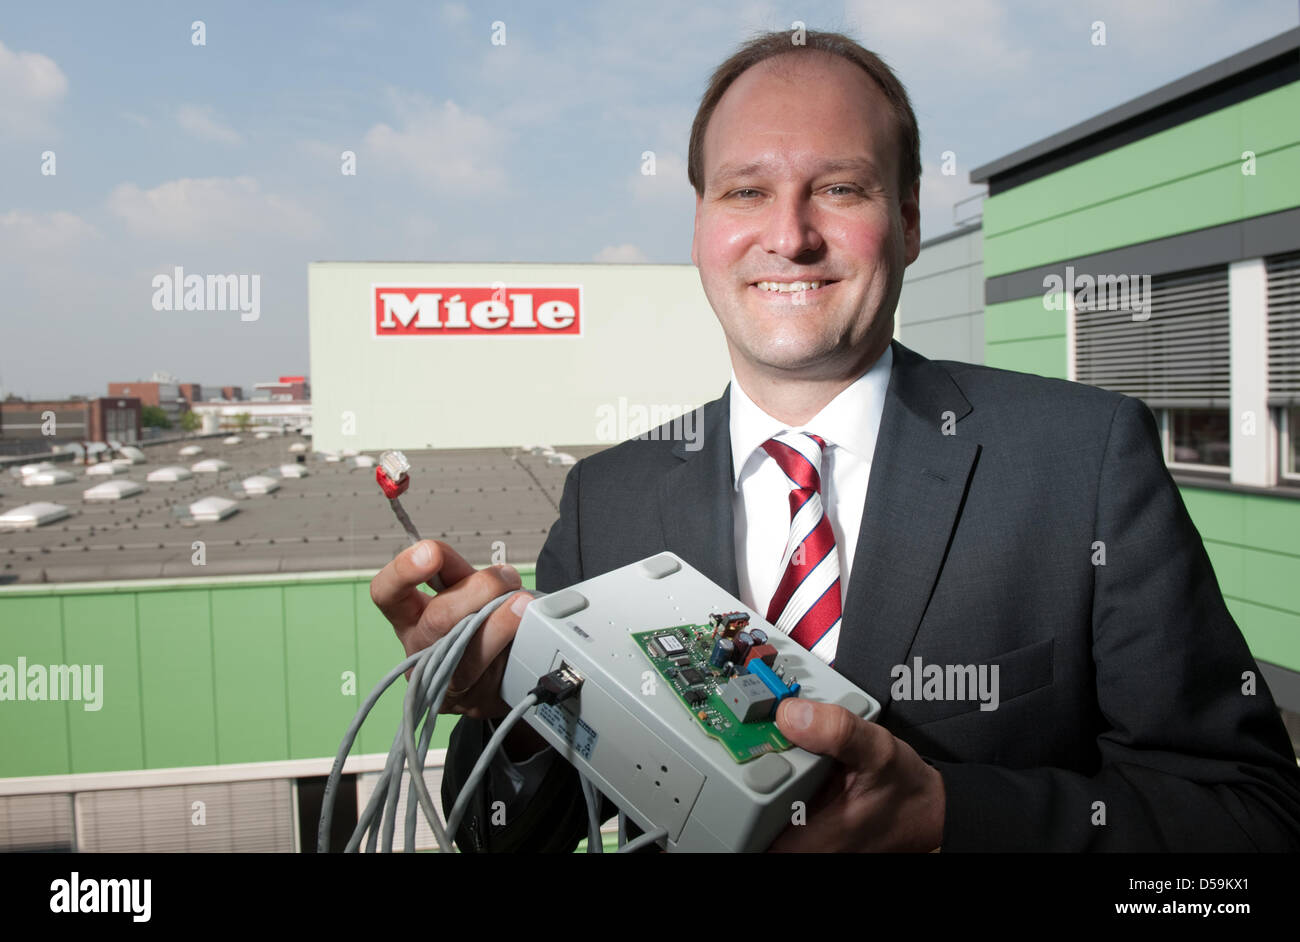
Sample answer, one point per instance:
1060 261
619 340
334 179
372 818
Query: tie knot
800 456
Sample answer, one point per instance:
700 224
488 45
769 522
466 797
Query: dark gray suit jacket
1121 685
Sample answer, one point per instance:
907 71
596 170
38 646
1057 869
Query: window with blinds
424 839
1175 358
242 817
36 823
1283 329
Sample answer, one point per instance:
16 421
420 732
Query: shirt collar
851 420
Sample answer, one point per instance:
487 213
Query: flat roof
1189 86
336 518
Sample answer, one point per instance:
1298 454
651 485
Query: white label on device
570 728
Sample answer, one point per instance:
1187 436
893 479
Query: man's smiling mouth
793 289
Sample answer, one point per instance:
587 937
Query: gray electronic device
634 738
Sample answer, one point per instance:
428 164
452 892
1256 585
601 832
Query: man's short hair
779 42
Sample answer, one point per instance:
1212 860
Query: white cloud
32 234
620 254
443 147
31 85
208 209
200 121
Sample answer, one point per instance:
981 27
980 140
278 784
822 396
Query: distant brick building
293 388
26 426
166 396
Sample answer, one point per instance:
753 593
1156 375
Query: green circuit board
743 741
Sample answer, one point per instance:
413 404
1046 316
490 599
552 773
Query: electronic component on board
724 651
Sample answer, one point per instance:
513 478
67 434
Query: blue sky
225 158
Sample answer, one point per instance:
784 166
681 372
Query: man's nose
789 229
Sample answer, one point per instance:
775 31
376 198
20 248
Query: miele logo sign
455 310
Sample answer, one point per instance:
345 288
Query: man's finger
391 589
456 602
489 641
830 730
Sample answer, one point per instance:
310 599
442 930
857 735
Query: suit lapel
918 481
695 498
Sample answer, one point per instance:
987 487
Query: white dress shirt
849 424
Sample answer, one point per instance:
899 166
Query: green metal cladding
227 671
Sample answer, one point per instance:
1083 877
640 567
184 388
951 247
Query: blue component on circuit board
779 688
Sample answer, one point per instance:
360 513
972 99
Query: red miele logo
456 310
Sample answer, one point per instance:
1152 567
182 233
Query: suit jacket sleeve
555 819
1193 757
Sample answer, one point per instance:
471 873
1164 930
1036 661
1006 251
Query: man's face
801 184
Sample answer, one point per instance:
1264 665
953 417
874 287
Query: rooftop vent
260 484
210 466
32 515
112 490
46 478
212 509
169 474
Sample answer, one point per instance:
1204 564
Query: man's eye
852 190
744 190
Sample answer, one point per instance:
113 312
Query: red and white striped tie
806 605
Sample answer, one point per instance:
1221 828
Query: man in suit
893 513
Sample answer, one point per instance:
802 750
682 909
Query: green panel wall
1185 178
1254 543
1026 336
101 629
201 672
320 646
248 654
177 684
33 733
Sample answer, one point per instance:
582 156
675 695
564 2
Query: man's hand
421 619
881 795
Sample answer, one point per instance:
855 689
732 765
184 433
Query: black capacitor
744 641
724 650
759 635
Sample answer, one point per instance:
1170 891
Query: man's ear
695 236
910 209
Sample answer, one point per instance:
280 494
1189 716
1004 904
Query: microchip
671 645
682 660
696 695
691 676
